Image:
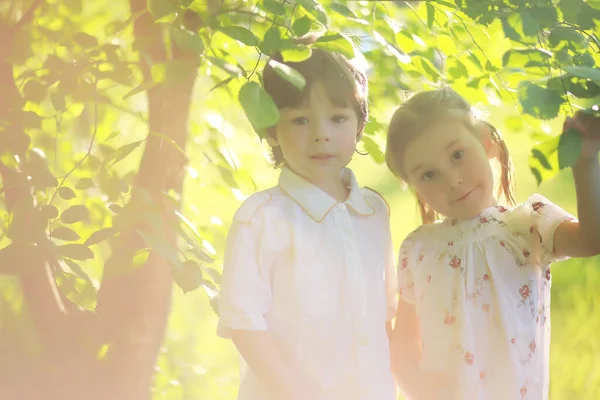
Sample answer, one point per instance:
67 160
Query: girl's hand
589 127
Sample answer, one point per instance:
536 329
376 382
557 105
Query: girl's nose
456 180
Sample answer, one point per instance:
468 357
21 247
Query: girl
473 319
304 281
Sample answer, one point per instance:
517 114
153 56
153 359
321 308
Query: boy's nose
320 132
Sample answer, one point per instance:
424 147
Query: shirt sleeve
546 218
245 295
407 260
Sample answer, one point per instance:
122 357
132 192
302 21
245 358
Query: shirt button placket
355 285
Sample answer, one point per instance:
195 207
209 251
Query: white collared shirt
320 276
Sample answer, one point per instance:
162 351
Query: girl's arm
581 239
405 355
262 355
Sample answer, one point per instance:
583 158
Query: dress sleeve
546 217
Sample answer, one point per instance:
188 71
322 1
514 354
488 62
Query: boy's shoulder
375 199
255 203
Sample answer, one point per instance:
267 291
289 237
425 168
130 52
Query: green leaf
274 7
58 101
541 157
458 70
234 70
75 251
141 88
430 70
343 10
73 267
584 72
579 87
117 209
258 105
240 34
545 15
570 36
530 23
526 58
85 40
373 149
297 54
271 41
84 183
316 10
536 173
509 30
100 236
162 10
66 193
140 257
430 15
338 43
36 166
65 233
125 150
289 74
227 176
74 214
540 102
188 276
579 13
405 41
543 160
49 211
569 148
34 91
301 26
187 40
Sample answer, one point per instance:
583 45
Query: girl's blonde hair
419 113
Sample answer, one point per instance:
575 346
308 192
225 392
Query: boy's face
318 138
449 168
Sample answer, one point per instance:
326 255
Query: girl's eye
458 154
338 119
429 175
300 121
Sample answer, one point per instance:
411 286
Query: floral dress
481 288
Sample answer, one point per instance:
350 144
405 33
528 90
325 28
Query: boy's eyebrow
449 145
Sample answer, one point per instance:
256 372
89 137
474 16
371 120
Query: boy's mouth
322 156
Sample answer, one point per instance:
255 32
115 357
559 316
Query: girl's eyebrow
448 146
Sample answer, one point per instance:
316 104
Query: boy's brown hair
344 80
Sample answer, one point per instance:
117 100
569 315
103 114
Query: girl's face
449 167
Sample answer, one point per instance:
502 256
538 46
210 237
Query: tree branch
27 17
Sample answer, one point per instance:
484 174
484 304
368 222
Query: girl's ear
487 139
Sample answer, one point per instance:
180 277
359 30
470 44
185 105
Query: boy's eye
458 154
300 121
429 175
338 119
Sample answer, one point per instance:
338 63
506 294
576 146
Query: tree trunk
133 305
